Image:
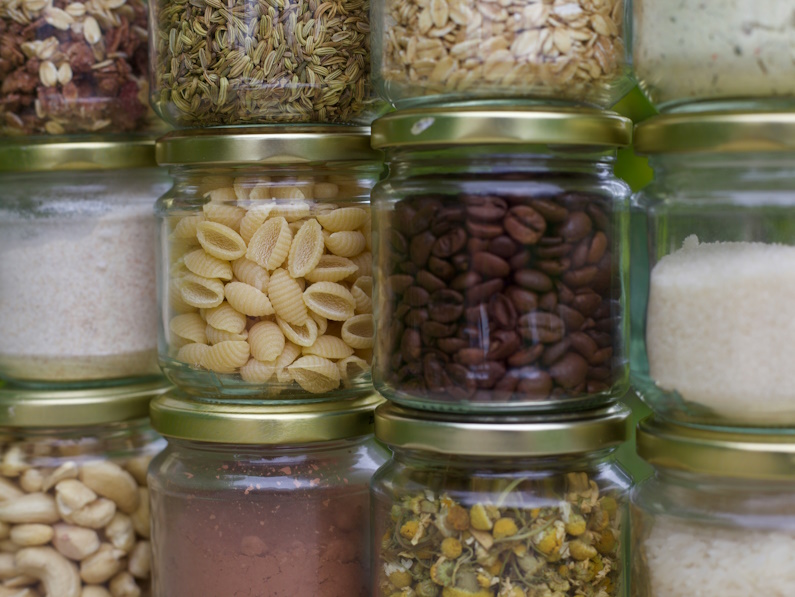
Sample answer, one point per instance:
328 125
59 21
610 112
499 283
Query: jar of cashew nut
265 277
74 504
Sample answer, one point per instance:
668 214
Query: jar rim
176 415
499 124
502 436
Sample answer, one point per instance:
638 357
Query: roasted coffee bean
481 292
521 260
554 267
503 246
526 356
485 208
572 318
416 317
550 210
446 306
407 267
597 247
450 243
488 374
525 225
598 217
477 315
464 386
435 375
553 251
416 296
533 280
476 245
586 302
502 311
411 345
466 280
538 326
534 384
483 230
420 248
503 344
523 300
584 345
548 301
576 227
435 329
569 371
579 256
401 311
470 356
490 266
599 373
555 352
398 243
441 268
461 262
565 295
580 277
430 282
601 356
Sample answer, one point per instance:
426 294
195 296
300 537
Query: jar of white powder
714 54
717 516
77 261
718 286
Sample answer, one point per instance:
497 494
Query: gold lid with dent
275 144
555 435
501 125
764 456
48 154
21 407
729 132
176 416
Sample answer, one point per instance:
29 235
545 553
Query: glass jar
77 261
73 67
719 323
74 516
263 500
247 62
500 260
488 506
265 263
716 518
700 56
459 50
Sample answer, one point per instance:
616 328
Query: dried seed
91 30
64 73
48 74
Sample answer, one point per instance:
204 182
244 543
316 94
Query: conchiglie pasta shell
292 211
189 326
289 354
257 372
216 336
243 187
346 244
306 249
351 368
250 273
331 268
225 357
225 317
223 213
301 335
201 292
344 218
331 300
222 195
367 230
358 331
270 245
286 192
192 354
322 323
286 298
221 241
254 218
188 226
364 261
266 340
261 190
207 266
248 300
324 191
362 291
329 347
176 304
315 375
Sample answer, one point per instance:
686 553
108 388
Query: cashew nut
113 482
13 463
23 580
8 546
58 575
103 565
140 517
76 543
139 467
28 535
124 585
8 566
5 530
8 491
15 592
30 508
120 532
31 480
95 515
140 563
94 591
71 495
68 470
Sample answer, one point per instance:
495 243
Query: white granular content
690 560
77 295
721 326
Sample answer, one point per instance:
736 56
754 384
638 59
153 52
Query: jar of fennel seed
487 507
77 261
263 500
500 259
266 264
719 323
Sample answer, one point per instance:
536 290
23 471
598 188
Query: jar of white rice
717 517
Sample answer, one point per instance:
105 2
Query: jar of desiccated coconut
489 507
266 270
436 51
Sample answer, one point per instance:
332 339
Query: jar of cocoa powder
500 259
250 500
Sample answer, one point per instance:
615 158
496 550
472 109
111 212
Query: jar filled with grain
74 514
77 261
266 269
500 259
263 500
493 506
715 287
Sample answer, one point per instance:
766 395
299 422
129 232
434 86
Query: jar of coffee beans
500 259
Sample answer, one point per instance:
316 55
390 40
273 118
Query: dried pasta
250 273
202 264
225 317
187 228
248 300
225 357
200 292
302 335
257 371
306 249
192 353
288 356
358 331
189 326
266 340
329 347
270 245
215 336
351 368
362 291
286 298
331 268
325 190
254 218
331 300
344 218
221 195
223 213
220 241
346 244
315 374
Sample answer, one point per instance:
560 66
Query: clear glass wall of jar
265 263
75 505
77 261
263 500
717 517
483 507
500 259
719 323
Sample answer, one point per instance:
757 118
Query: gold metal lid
46 154
767 456
572 433
730 132
266 145
174 415
76 408
500 125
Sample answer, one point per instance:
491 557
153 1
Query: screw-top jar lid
294 144
20 407
719 132
501 125
766 456
175 415
47 154
573 433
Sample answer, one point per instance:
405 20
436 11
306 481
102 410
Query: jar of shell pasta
263 500
514 507
74 503
500 259
266 265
